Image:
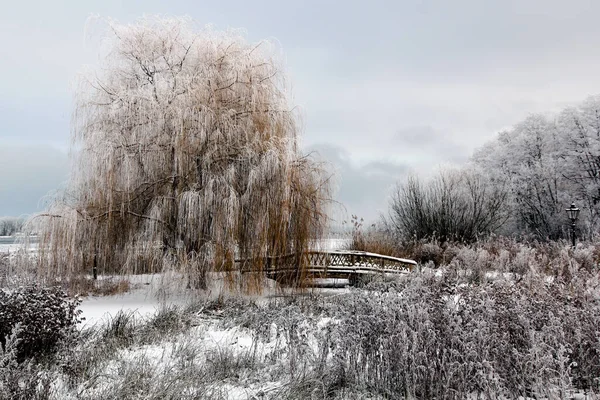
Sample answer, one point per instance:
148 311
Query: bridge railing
334 262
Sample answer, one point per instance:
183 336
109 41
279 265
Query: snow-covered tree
185 155
546 164
579 128
526 159
10 225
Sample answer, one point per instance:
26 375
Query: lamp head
573 212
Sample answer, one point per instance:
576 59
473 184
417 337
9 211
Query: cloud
392 85
363 184
431 146
28 174
359 189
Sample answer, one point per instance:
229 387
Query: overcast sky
385 87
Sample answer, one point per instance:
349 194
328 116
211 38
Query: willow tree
185 154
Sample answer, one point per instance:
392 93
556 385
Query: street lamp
573 213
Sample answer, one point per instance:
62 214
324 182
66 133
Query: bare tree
455 205
186 155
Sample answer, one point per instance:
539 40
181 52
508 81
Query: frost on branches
185 155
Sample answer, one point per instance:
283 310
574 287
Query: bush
46 317
453 206
4 260
21 381
436 336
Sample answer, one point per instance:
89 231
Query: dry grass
373 239
85 286
494 254
4 269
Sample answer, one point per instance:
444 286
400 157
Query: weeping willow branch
185 156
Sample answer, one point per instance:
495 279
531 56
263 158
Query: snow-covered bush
21 380
45 317
433 336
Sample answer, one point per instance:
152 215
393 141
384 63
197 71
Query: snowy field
159 340
7 244
149 293
143 299
244 360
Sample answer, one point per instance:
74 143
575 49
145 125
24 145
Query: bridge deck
327 264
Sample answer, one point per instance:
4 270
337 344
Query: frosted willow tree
186 155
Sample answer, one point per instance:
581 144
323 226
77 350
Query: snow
98 309
331 243
208 338
149 293
7 244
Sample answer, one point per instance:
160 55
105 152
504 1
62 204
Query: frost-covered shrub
586 257
4 260
46 317
21 381
433 336
455 205
424 252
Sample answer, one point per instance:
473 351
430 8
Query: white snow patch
149 293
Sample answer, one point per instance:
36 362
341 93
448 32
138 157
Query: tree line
11 225
518 184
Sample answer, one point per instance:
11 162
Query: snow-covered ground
152 292
7 244
212 340
143 299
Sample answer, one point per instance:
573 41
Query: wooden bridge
345 264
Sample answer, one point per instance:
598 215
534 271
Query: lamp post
573 213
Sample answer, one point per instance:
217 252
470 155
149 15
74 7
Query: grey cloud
362 190
29 173
445 75
416 135
431 144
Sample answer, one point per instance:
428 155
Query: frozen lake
9 244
